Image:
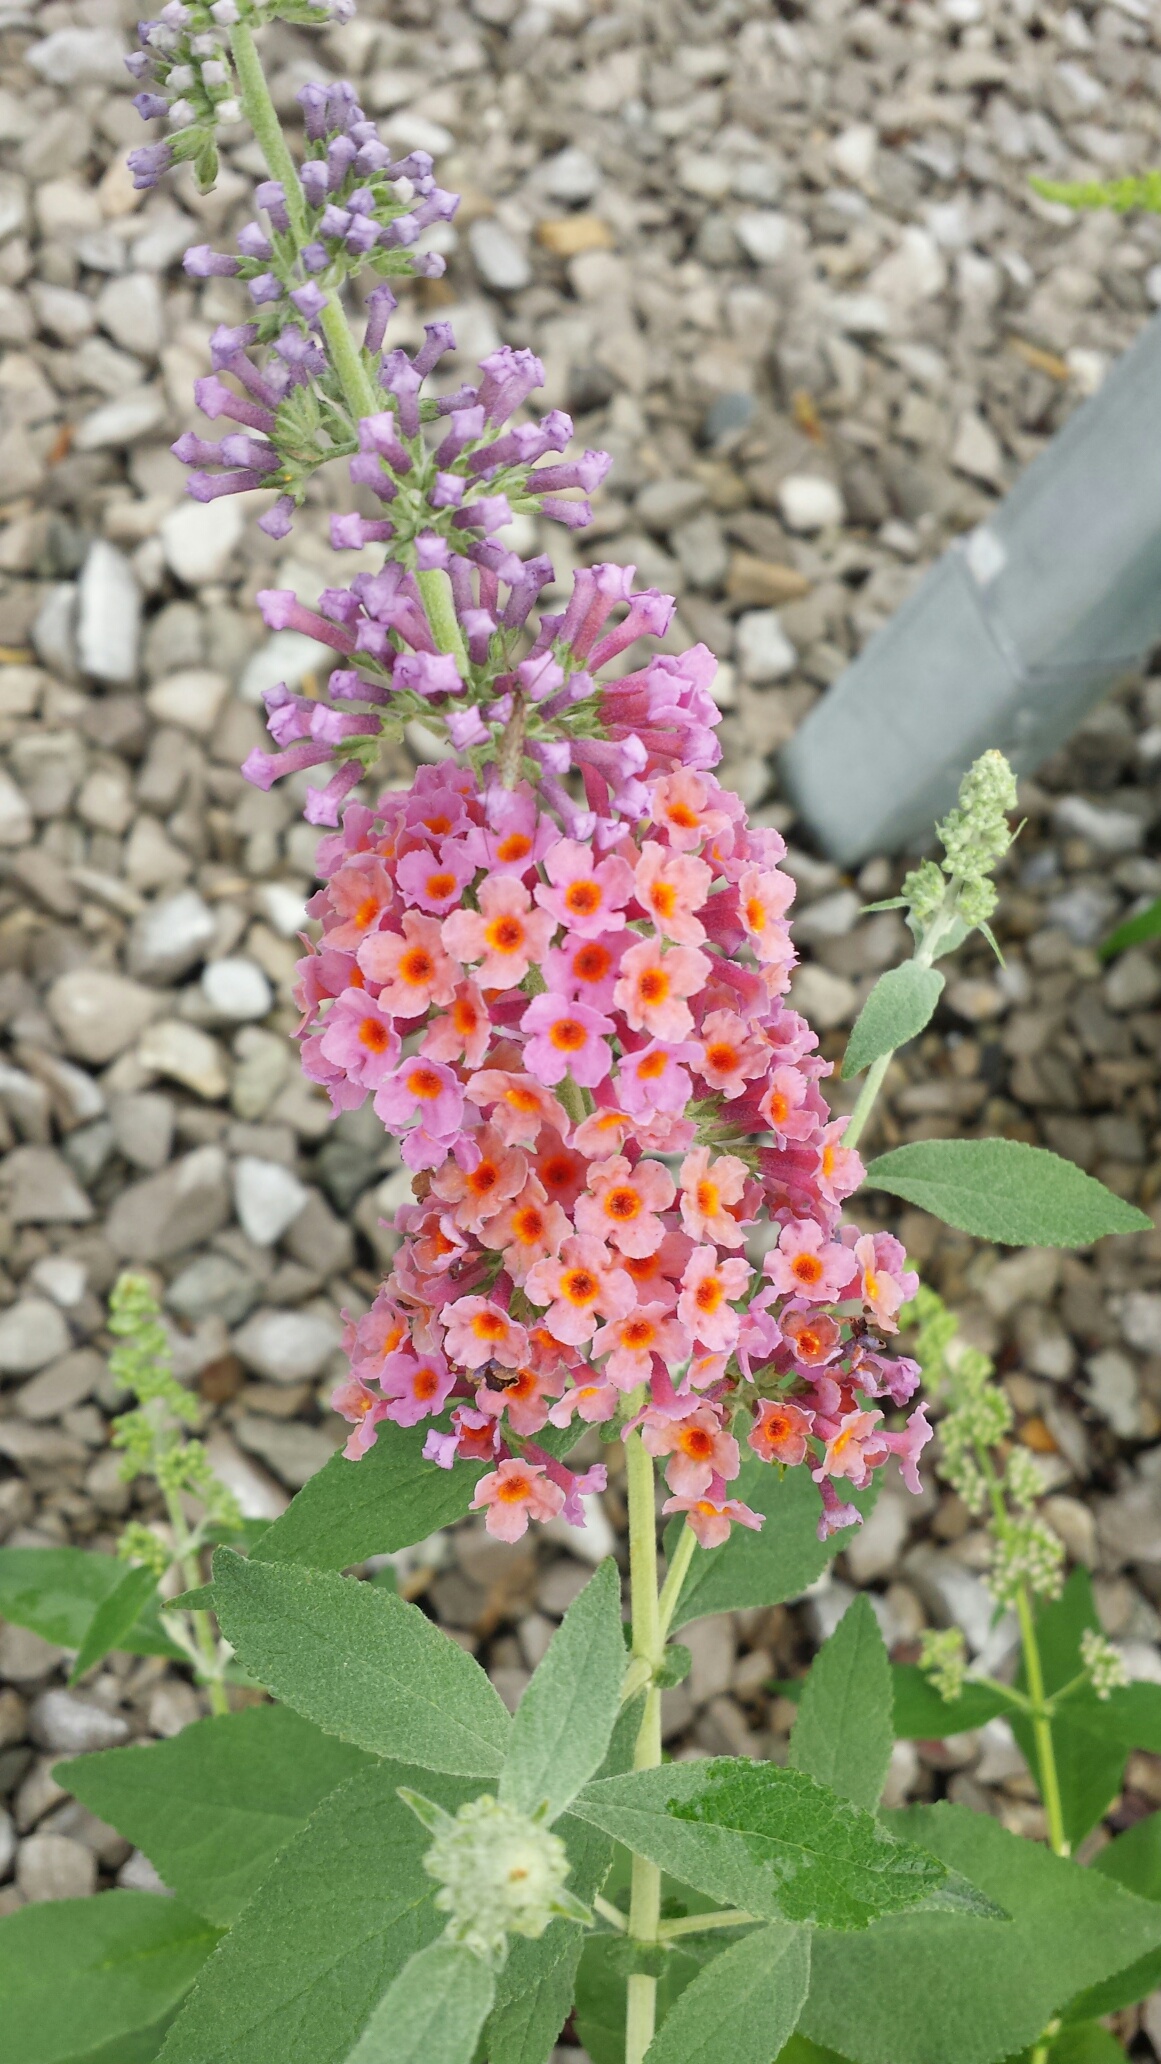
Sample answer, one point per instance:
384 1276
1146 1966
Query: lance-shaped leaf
348 1902
899 1006
432 2013
212 1807
843 1733
116 1616
565 1719
389 1499
892 1995
361 1663
920 1714
1133 1860
1001 1189
57 1591
743 2006
79 1973
773 1842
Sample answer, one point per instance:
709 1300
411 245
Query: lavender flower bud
252 243
381 304
271 198
315 181
267 287
277 520
309 301
151 106
148 164
225 12
312 99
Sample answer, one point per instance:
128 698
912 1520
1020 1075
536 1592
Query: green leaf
1136 931
56 1592
842 1731
771 1841
201 1599
743 2006
1000 1189
78 1973
389 1499
891 1995
760 1569
800 2050
565 1719
432 2013
213 1806
311 1955
601 1989
114 1619
901 1003
361 1663
1134 1861
1087 2043
536 1987
142 2047
1089 1754
922 1715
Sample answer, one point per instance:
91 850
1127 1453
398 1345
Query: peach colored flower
480 1331
465 1030
477 1194
711 1518
623 1203
584 895
653 986
699 1448
764 897
707 1288
683 804
632 1342
672 887
806 1264
656 1276
527 1230
779 1432
707 1189
413 969
584 1284
512 1495
523 1398
520 1106
505 935
731 1054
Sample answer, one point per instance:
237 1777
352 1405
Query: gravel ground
784 263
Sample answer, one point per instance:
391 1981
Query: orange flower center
828 1160
582 898
637 1333
652 1066
439 825
522 1099
425 1084
653 986
663 897
416 966
373 1035
489 1325
557 1172
622 1204
780 1109
709 1294
513 1490
592 963
505 934
723 1057
567 1035
465 1016
709 1198
580 1286
483 1179
528 1225
425 1383
366 913
516 846
755 914
807 1267
440 885
682 816
697 1442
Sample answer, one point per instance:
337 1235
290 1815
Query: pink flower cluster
584 1046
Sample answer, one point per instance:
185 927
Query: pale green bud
500 1872
1104 1663
943 1659
1025 1552
1023 1479
923 889
976 833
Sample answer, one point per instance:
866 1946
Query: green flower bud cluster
974 836
1104 1663
140 1544
943 1659
153 1440
1025 1552
500 1873
1023 1479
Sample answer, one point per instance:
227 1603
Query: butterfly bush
558 963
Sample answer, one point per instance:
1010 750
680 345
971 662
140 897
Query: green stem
1041 1726
262 116
186 1557
648 1644
675 1578
866 1098
695 1924
610 1913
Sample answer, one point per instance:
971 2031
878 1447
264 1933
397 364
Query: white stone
130 309
185 1054
124 421
282 904
1114 1392
138 1875
15 815
916 270
1133 982
69 1725
200 539
79 57
1109 831
706 174
498 258
257 1493
571 175
171 936
590 1543
66 315
287 656
808 503
236 989
32 1334
832 917
267 1198
287 1346
763 234
191 699
62 1277
1140 1316
825 1000
99 1013
13 204
764 652
976 450
55 1867
874 1548
294 1452
108 616
853 151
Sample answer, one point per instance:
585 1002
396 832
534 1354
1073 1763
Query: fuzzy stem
186 1557
866 1098
1042 1726
648 1644
698 1923
675 1577
262 116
